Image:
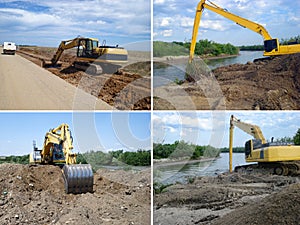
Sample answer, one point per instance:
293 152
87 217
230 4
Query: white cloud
165 22
187 22
167 33
159 1
62 19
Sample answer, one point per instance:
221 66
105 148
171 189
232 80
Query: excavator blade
78 178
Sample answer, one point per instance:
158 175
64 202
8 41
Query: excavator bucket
78 178
49 64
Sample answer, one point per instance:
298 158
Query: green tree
297 137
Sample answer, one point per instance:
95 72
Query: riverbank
261 85
236 198
171 162
186 58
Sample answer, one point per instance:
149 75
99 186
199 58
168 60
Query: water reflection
180 173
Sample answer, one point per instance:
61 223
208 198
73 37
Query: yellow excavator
57 149
91 57
272 46
277 158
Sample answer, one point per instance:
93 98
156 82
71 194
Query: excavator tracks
277 168
78 178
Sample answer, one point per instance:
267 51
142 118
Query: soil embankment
262 85
238 198
128 89
35 195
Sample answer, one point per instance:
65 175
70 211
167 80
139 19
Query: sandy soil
35 195
128 89
238 198
263 85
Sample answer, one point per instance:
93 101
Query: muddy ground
235 199
128 89
263 85
35 195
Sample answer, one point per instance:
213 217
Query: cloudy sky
91 131
211 127
47 22
173 20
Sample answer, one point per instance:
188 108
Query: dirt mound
278 208
226 199
35 195
265 85
128 89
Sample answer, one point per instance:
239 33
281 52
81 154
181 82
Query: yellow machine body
284 158
92 56
275 153
57 149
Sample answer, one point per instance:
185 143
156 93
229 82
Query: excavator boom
271 46
248 128
63 46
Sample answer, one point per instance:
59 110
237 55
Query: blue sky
91 131
211 127
173 20
46 23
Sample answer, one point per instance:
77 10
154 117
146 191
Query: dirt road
25 85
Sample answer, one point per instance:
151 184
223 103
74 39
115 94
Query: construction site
126 88
269 83
34 194
263 85
237 198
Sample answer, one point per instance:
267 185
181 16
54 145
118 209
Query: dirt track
129 89
237 199
264 85
35 195
27 86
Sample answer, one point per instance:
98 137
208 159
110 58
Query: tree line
98 158
283 41
180 149
203 48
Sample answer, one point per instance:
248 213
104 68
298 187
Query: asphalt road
26 86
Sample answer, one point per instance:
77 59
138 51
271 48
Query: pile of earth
264 85
238 198
35 195
126 89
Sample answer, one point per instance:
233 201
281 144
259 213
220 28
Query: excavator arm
63 46
272 46
60 136
248 128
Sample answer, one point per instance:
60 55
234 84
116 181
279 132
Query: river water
168 73
180 173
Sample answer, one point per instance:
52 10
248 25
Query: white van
9 48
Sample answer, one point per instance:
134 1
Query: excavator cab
58 154
270 45
87 47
